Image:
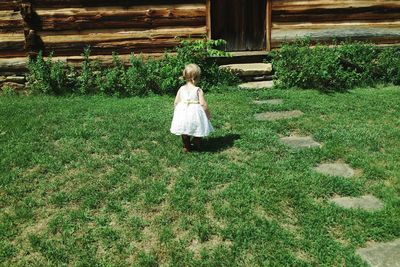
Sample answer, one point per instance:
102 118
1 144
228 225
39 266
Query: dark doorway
240 22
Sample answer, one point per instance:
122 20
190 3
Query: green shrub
140 77
361 58
88 76
338 67
48 76
389 65
7 91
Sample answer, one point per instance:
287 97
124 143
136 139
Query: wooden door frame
268 22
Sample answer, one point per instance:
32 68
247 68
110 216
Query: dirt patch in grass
236 155
219 189
260 211
336 232
210 214
215 241
303 256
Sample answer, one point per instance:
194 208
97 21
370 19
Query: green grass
92 181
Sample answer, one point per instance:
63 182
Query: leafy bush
47 76
389 65
87 78
140 77
338 67
7 91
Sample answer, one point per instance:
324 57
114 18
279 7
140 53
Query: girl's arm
177 98
203 103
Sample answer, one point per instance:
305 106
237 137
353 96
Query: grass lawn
93 181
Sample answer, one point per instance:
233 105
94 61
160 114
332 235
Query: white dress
189 116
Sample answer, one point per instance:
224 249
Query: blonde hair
191 73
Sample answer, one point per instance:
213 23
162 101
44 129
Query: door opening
242 23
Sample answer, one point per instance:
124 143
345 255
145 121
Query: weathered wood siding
66 27
151 26
374 20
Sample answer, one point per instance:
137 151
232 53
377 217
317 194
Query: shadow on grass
216 144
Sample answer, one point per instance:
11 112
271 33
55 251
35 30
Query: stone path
335 169
257 85
277 115
269 102
367 203
378 255
252 69
300 142
381 254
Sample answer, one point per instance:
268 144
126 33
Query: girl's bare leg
186 143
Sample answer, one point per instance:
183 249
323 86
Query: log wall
66 27
368 20
151 26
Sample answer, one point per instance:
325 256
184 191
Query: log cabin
150 27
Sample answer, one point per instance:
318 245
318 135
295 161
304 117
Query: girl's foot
186 143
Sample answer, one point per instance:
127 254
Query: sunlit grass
93 181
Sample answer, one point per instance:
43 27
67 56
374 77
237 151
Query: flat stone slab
257 85
381 254
367 203
300 142
253 69
335 169
278 115
269 102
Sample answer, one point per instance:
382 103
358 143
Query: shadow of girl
220 143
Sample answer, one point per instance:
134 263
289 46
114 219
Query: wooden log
13 65
144 17
19 64
12 44
377 35
10 21
121 41
10 5
331 25
103 3
377 13
318 4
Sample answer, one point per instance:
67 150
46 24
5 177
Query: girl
191 115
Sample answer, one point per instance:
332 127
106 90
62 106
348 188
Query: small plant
8 91
88 76
109 81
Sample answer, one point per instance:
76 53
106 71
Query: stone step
269 102
300 142
252 69
278 115
381 254
257 85
335 169
367 203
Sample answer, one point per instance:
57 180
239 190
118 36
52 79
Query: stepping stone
252 69
367 203
335 169
271 116
300 142
257 85
269 102
381 254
